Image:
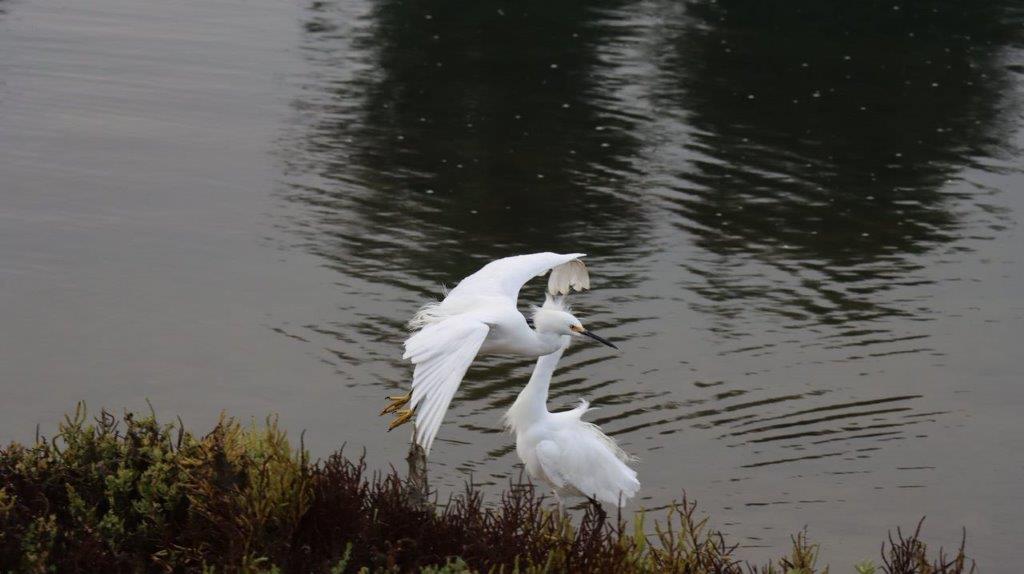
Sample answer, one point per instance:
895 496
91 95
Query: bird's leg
558 503
397 402
401 417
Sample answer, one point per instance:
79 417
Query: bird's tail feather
429 313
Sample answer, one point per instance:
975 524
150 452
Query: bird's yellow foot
396 403
401 417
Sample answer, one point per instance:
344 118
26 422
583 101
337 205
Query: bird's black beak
596 338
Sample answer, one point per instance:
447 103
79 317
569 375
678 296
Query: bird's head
555 317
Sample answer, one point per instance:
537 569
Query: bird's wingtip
569 276
422 438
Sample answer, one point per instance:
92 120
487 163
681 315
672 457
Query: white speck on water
816 94
750 96
865 234
430 192
540 176
871 197
599 128
458 165
804 65
400 137
501 12
473 211
554 66
565 105
935 84
604 144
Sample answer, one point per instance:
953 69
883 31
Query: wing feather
580 457
442 353
548 455
504 277
569 276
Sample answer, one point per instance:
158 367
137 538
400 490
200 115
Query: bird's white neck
546 343
532 403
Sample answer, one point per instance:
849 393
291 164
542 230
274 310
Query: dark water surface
801 227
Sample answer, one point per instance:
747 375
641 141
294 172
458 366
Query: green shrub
131 495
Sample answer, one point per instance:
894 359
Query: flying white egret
479 316
571 456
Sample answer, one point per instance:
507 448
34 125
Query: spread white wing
442 352
445 347
504 277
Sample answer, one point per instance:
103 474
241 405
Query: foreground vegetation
131 495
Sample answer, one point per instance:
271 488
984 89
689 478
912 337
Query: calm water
801 227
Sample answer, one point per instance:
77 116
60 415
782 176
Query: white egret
571 456
479 316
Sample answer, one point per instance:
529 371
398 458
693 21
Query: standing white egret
479 316
571 456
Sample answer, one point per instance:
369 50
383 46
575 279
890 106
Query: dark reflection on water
826 138
771 198
434 118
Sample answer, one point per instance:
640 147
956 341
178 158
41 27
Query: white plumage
571 456
479 316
